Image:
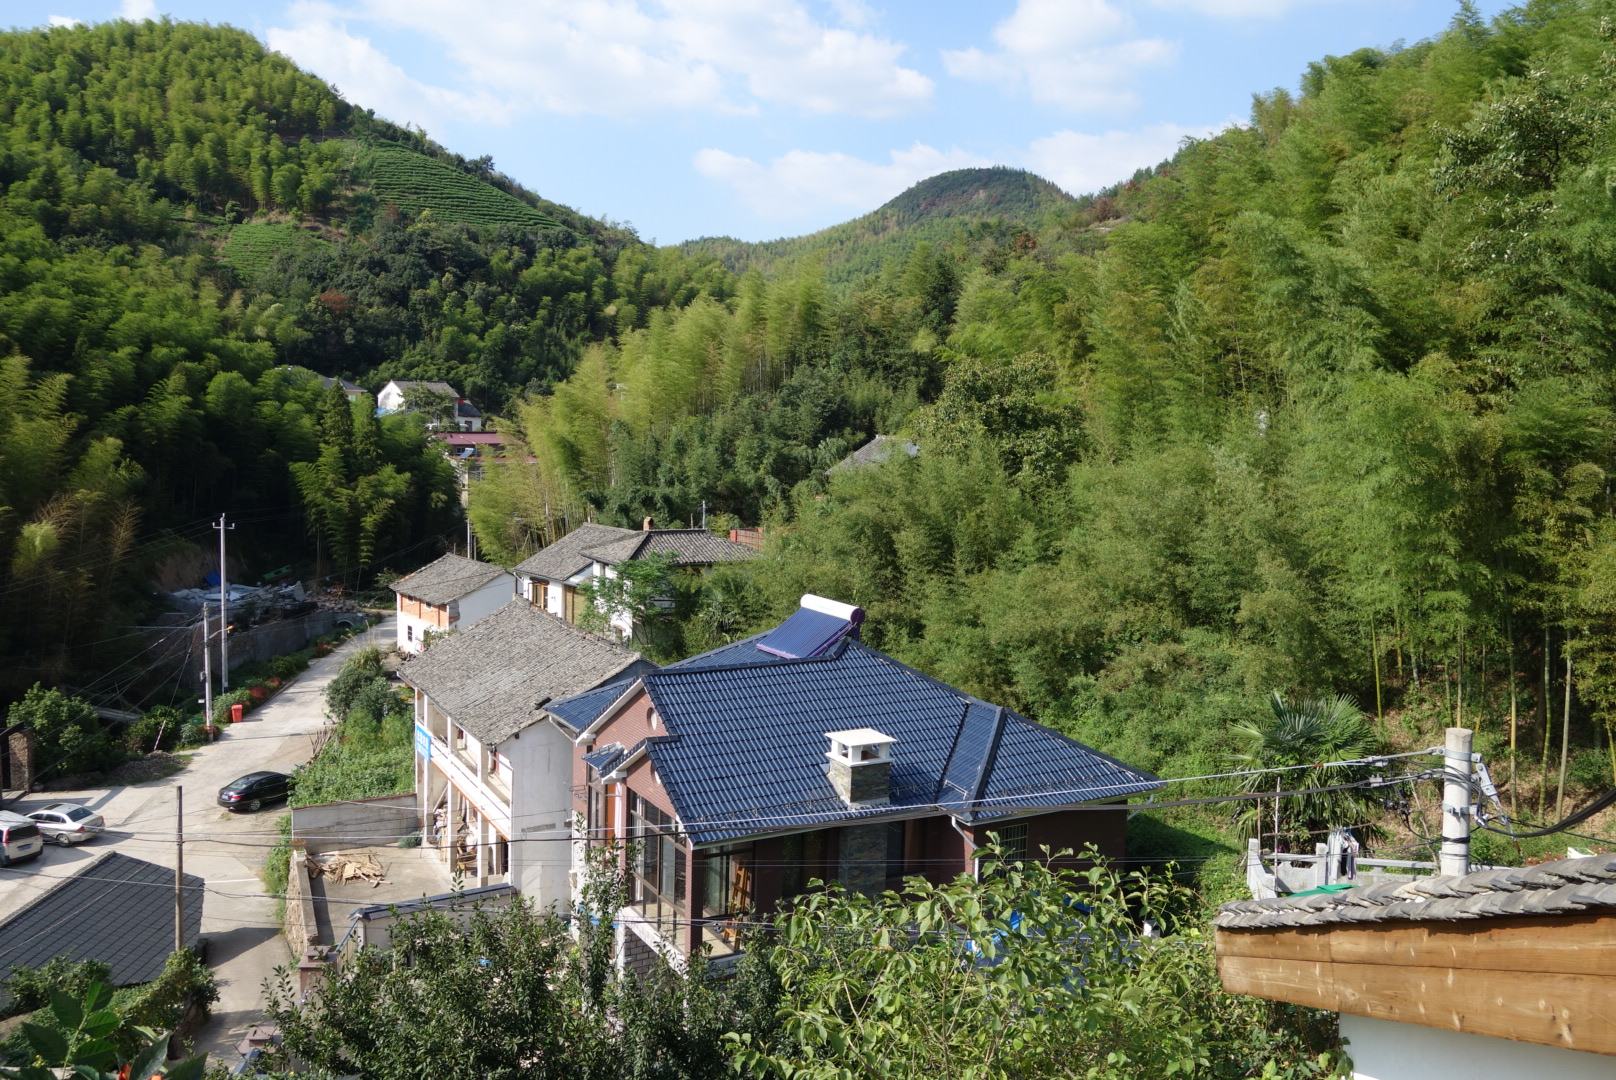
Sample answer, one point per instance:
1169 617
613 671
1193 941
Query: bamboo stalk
1548 727
1565 737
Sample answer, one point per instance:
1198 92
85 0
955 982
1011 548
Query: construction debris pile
249 605
348 866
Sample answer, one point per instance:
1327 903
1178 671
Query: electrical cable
1575 818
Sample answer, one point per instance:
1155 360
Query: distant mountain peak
995 191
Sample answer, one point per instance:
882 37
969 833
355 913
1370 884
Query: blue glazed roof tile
745 750
581 710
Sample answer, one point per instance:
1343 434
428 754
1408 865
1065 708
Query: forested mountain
1324 404
929 211
188 222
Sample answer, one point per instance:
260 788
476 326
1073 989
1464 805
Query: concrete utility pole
224 611
207 669
1456 763
179 868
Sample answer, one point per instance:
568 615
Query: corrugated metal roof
1555 888
447 579
118 909
491 677
745 749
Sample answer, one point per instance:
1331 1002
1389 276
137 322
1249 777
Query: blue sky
766 118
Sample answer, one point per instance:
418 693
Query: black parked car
254 790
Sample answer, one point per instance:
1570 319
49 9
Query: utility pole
1456 765
207 669
179 868
224 611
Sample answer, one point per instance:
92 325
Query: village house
551 579
353 390
449 594
745 773
1500 974
391 400
493 772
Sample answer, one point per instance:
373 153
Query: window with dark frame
1012 841
803 856
661 867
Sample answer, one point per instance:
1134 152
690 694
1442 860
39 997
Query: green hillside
415 182
931 211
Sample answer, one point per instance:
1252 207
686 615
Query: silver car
68 823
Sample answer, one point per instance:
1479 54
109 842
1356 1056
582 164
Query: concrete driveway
226 849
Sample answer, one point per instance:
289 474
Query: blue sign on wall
423 742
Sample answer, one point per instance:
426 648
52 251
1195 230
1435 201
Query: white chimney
861 766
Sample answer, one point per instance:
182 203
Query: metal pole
224 611
207 669
1456 763
179 868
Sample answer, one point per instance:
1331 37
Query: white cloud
1232 9
801 183
1083 163
136 10
320 41
634 57
1077 54
64 20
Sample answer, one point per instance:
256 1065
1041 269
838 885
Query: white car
68 823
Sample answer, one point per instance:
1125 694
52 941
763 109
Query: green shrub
162 1003
160 728
222 702
71 736
30 988
278 867
288 666
361 669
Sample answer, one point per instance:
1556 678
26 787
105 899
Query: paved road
226 849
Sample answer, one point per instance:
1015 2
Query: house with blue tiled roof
740 776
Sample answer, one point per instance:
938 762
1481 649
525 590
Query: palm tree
1313 732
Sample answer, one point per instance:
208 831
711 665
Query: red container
235 712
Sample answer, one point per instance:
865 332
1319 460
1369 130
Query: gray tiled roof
450 578
564 558
689 547
1555 888
877 451
490 677
118 909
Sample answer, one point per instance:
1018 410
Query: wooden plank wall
1550 981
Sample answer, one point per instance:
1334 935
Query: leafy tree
83 1039
1300 737
1036 969
70 736
481 993
436 407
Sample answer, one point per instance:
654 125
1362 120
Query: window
409 633
661 866
726 881
459 738
895 849
804 857
1012 841
726 896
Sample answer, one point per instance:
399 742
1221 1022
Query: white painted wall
1387 1050
391 399
462 613
411 630
485 601
541 813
